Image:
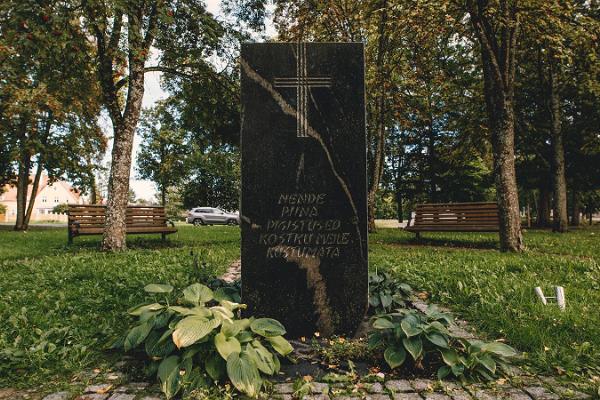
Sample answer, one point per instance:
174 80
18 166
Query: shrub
62 208
424 335
202 339
386 293
3 209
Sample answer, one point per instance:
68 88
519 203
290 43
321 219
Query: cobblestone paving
114 386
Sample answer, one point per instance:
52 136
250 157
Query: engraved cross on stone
302 83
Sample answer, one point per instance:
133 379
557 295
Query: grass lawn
495 291
62 305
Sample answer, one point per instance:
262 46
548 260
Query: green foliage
214 180
202 340
61 208
386 293
421 335
3 209
163 150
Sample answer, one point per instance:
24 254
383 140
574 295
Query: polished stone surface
304 207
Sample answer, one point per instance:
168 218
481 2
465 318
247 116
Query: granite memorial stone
303 209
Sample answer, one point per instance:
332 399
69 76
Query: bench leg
418 235
163 236
70 235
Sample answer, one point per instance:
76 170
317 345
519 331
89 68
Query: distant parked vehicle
211 216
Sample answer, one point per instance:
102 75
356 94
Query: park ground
62 306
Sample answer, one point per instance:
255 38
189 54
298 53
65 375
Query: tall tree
48 112
496 26
180 34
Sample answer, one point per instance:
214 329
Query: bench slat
90 220
459 217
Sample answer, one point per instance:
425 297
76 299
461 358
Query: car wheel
232 222
198 222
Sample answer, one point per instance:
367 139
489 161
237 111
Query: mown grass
495 291
61 306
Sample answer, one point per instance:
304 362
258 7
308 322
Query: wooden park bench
89 220
455 217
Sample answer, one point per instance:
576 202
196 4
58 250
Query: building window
44 199
56 199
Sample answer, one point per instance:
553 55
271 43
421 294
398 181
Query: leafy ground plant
201 340
386 293
425 335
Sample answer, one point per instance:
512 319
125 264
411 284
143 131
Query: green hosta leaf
450 356
488 362
437 339
244 337
221 313
280 345
414 346
191 329
215 367
136 335
227 293
267 327
262 359
230 327
139 310
197 294
500 349
374 301
383 323
181 310
436 326
168 375
226 345
375 340
157 348
386 300
230 305
458 370
394 356
410 325
158 288
443 372
243 374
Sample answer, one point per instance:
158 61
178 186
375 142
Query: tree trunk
24 166
118 189
124 122
377 169
576 215
503 135
559 182
543 215
22 185
498 56
34 189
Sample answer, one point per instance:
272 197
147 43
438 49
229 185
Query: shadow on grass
454 242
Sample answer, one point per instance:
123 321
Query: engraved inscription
298 232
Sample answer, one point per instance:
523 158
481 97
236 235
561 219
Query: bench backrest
93 216
464 215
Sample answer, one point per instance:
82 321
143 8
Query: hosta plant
425 337
201 340
386 293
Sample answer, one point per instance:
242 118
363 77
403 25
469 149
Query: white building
48 196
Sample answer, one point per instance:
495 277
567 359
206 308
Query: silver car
211 216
